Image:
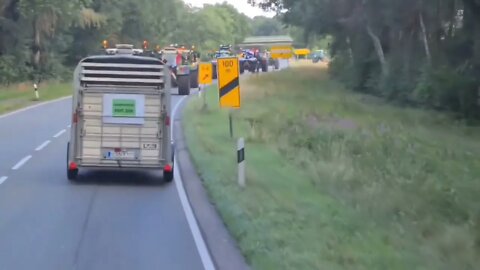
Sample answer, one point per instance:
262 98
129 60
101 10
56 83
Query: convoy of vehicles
121 105
121 113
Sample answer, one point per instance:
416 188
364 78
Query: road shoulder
223 248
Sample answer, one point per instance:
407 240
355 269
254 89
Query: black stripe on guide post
229 87
241 155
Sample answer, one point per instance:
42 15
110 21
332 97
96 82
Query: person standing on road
179 58
259 60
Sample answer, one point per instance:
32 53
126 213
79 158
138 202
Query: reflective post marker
241 161
35 89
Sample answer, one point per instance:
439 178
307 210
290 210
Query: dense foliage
413 51
40 38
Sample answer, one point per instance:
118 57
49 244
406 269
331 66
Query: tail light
167 120
75 118
73 166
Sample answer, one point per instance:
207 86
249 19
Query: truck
120 114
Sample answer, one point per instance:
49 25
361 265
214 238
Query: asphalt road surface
110 221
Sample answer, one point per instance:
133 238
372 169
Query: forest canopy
425 53
39 38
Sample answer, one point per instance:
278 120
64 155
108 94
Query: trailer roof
130 59
267 41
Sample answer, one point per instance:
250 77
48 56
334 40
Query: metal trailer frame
96 76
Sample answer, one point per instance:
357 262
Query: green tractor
183 65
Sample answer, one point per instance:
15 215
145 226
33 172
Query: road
112 221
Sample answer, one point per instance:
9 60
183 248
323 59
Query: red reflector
117 150
73 166
167 121
168 168
74 118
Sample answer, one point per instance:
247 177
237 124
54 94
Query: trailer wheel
183 85
242 67
194 78
276 64
168 175
72 175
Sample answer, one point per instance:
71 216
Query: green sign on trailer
123 108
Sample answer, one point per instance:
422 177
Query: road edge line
202 249
33 107
224 249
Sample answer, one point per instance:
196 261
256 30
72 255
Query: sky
241 5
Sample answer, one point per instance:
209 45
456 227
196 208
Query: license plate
150 146
120 155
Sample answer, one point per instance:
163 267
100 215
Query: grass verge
338 180
22 95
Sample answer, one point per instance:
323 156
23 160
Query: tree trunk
36 54
425 38
378 49
350 50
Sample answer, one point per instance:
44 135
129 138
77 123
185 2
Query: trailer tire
168 176
242 67
276 64
194 78
72 175
183 85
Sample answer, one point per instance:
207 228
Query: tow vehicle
184 75
120 113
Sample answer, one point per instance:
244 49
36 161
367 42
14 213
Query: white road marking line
3 179
59 133
34 106
43 145
173 115
187 209
21 163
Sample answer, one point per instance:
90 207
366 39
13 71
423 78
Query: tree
412 51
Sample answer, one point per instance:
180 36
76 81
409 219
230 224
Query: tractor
183 66
224 51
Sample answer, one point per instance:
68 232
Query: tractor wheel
194 78
173 81
214 72
183 85
276 64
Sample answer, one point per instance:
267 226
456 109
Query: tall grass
340 180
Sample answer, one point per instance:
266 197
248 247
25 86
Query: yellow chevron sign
229 82
282 52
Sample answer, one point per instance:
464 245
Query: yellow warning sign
282 52
205 73
229 82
